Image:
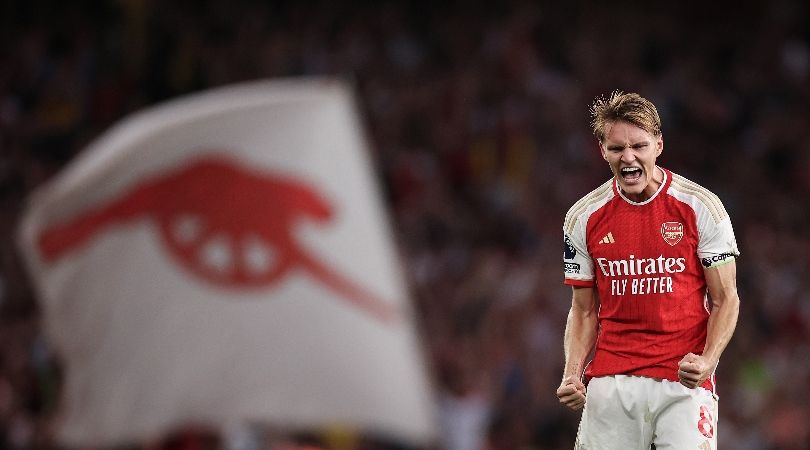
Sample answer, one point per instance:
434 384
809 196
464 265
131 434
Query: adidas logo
608 239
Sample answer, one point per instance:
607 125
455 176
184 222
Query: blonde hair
619 106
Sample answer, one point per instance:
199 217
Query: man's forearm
580 336
722 284
722 323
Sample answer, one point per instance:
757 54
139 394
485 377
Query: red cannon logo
224 224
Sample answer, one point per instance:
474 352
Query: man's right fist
572 393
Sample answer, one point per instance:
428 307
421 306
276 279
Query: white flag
224 258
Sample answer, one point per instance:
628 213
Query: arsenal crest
672 232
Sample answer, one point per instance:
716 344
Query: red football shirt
646 261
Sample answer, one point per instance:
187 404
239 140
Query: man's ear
602 150
660 144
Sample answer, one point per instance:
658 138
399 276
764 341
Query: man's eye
640 146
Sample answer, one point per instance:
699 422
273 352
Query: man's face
631 153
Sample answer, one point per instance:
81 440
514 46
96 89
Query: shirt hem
581 283
660 374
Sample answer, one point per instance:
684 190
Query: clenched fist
694 370
571 393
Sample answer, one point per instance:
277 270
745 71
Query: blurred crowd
477 116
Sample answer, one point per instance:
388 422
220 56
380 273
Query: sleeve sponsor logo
571 268
714 260
569 252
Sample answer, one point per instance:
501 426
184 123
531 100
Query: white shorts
628 412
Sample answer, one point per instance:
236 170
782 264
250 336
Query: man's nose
628 155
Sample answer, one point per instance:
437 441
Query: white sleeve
717 244
576 259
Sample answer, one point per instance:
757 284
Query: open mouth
631 174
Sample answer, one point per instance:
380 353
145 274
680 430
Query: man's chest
633 233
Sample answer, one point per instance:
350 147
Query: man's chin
633 189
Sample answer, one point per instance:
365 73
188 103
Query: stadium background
477 115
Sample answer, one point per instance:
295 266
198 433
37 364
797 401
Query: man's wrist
711 357
572 375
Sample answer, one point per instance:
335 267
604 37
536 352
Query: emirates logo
225 224
672 232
